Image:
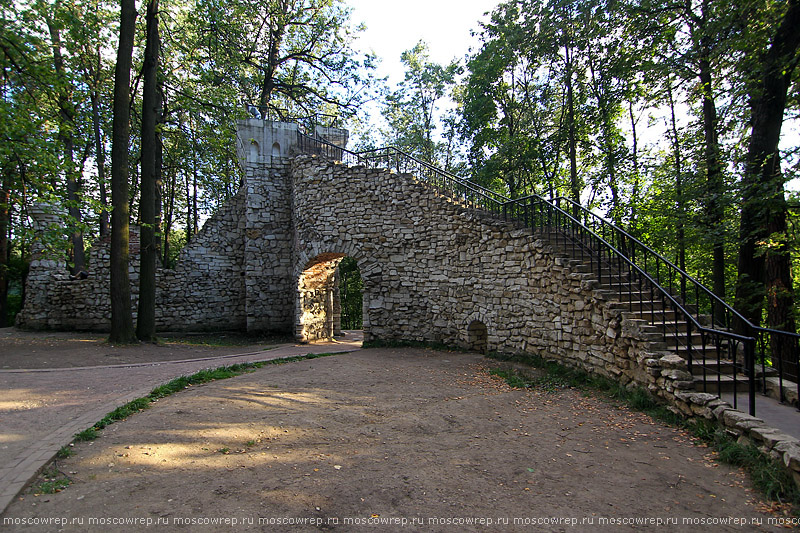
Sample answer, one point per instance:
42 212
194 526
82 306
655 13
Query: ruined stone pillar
264 148
46 264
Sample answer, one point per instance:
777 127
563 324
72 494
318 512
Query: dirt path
42 408
367 440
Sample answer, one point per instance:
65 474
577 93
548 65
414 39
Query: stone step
696 350
712 368
663 318
719 384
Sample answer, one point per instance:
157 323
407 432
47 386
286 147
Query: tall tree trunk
159 236
715 183
780 299
170 213
159 168
572 136
66 114
601 90
100 159
5 224
679 200
189 233
636 177
764 204
146 316
121 317
195 216
277 29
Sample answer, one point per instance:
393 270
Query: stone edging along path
48 406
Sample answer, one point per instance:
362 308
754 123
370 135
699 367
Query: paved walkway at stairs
778 415
41 410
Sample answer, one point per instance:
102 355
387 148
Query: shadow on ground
382 435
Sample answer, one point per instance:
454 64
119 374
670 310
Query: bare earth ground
22 349
388 440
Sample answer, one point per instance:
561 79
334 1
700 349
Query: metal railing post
750 360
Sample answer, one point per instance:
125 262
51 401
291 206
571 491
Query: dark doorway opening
477 337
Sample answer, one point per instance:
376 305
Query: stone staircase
712 360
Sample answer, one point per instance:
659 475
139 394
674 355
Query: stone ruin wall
431 268
204 292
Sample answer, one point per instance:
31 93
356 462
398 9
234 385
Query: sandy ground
388 440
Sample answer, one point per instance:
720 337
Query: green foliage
87 435
64 452
411 110
123 412
292 59
54 481
552 98
768 475
215 56
351 289
513 379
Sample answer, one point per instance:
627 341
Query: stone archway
319 307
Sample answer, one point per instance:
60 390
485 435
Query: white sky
393 27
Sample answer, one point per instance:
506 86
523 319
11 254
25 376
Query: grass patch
51 486
768 475
513 379
64 452
53 481
123 412
86 435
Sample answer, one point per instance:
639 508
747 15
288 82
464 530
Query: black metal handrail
613 252
700 300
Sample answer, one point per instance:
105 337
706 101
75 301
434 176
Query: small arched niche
477 337
276 150
253 151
